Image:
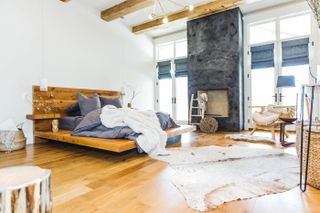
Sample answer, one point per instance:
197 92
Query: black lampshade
286 81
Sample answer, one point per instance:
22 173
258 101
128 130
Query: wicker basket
18 143
208 125
314 154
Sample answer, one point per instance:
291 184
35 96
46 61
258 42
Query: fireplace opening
218 102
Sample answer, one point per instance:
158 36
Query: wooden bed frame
51 104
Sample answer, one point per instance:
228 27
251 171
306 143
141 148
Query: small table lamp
286 81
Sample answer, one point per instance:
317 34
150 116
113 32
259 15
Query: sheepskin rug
210 176
250 138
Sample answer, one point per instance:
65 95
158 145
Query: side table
283 125
25 189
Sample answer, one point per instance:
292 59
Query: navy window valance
164 70
181 67
262 56
295 52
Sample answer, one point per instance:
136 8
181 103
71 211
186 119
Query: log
25 189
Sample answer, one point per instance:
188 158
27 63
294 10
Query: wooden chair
272 114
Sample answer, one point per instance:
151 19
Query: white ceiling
141 16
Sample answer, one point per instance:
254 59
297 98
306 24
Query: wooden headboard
56 100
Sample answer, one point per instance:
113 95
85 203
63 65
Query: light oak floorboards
89 180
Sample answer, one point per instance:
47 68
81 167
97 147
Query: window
172 73
262 33
165 97
170 50
165 51
301 74
278 47
181 48
295 26
262 83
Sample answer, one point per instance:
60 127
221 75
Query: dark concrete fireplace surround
215 61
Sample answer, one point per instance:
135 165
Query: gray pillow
166 121
73 110
88 104
110 101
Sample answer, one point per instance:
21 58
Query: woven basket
18 143
314 154
208 125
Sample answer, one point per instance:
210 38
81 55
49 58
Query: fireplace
218 103
215 66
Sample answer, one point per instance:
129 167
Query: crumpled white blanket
152 139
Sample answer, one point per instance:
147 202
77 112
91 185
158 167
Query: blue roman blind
295 52
262 56
164 70
181 67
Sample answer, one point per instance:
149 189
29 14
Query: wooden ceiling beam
65 1
199 11
125 8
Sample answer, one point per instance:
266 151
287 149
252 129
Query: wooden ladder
199 110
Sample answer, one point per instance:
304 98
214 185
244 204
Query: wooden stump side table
283 125
25 189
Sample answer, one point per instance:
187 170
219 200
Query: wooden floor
88 180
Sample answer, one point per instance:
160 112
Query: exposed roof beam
125 8
199 11
65 1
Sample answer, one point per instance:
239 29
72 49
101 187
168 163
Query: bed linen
91 126
151 139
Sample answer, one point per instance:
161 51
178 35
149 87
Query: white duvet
152 139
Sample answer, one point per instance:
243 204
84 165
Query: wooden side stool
25 189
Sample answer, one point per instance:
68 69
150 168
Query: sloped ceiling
141 16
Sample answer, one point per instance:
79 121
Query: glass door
182 101
294 45
279 47
165 96
173 80
263 72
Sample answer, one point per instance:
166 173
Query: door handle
281 96
275 98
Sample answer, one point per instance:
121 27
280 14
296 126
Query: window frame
177 38
280 13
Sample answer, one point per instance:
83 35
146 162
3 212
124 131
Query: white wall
71 46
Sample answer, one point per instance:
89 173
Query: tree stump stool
208 125
25 189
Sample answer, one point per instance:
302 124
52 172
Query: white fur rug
250 138
211 176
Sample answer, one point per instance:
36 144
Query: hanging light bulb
191 7
165 20
150 16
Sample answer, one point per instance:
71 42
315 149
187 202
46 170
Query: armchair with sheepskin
269 116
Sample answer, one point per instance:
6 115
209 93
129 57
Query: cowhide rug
210 176
250 138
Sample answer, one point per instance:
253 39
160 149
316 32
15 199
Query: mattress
69 122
